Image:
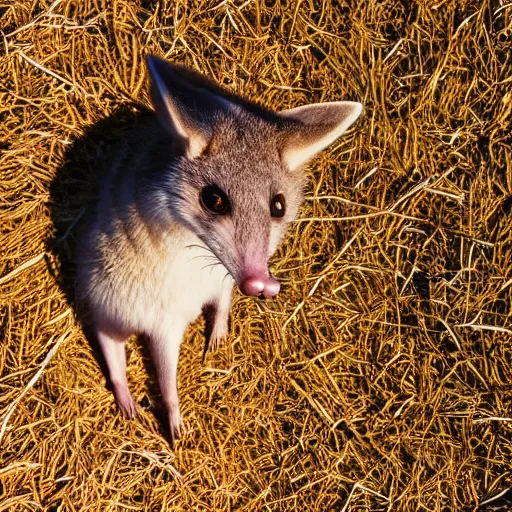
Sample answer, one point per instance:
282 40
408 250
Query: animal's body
195 201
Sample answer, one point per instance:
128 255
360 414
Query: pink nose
256 286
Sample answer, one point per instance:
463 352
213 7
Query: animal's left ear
186 108
313 127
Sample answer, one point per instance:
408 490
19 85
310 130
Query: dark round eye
214 199
277 206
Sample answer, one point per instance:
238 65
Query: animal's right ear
186 111
314 127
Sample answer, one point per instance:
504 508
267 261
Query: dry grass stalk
380 379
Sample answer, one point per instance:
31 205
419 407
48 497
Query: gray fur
151 256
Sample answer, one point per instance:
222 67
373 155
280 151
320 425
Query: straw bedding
380 378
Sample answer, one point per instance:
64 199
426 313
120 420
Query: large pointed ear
316 127
185 109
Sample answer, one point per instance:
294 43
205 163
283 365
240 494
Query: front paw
174 420
125 401
218 337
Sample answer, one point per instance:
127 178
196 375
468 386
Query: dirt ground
380 379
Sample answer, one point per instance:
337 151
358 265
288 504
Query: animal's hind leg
113 349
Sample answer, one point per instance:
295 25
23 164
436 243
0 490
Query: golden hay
381 378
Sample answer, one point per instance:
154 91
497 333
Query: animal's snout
254 286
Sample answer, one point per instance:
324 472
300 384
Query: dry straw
380 379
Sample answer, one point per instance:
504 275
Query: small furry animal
194 201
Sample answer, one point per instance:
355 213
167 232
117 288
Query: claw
125 402
174 419
217 338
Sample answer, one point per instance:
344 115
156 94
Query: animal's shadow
74 189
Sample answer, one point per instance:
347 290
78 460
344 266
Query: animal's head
236 181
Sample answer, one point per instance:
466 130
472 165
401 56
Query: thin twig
31 382
52 73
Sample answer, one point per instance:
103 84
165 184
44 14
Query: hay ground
381 377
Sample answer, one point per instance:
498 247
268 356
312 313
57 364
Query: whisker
227 274
207 249
208 257
204 257
211 265
197 245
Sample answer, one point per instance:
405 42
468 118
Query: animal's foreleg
165 348
113 349
217 318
